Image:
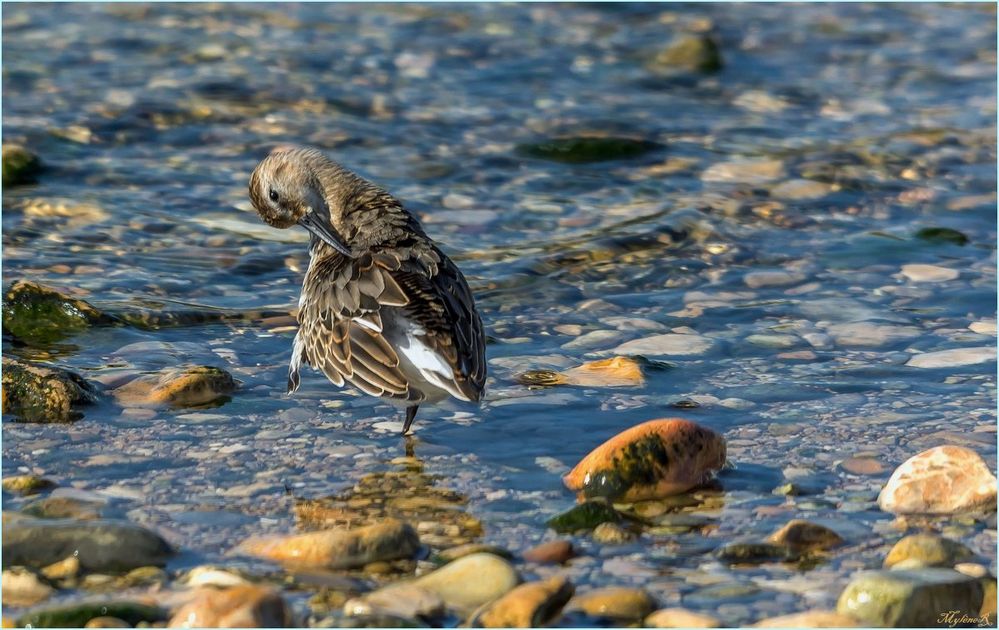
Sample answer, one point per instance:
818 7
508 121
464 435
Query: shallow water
157 114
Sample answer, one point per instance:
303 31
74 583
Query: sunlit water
157 114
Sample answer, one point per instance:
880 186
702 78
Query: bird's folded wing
340 325
441 304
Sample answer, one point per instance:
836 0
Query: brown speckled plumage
379 301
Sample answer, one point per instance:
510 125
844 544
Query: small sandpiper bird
382 308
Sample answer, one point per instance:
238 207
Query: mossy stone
77 615
584 516
696 53
36 393
584 149
20 166
942 235
911 598
37 314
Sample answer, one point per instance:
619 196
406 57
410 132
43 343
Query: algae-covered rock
586 149
20 166
36 393
64 507
25 485
802 535
909 598
77 615
100 546
654 459
692 53
186 387
40 315
754 553
942 235
928 550
585 516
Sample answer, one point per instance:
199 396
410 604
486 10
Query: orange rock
246 606
551 552
530 605
614 372
654 459
942 480
339 548
188 387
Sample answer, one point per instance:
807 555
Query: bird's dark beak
320 226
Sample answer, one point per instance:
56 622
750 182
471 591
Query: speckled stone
942 480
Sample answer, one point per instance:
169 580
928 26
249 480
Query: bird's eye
273 195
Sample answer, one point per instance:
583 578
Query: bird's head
285 191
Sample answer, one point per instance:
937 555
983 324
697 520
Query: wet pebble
953 358
929 273
862 466
186 387
531 605
760 279
246 606
942 480
800 189
744 171
551 552
471 581
668 344
339 548
612 534
614 602
404 600
809 619
927 550
871 334
680 618
100 546
800 535
107 622
21 588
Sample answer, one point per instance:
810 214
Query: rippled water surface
154 116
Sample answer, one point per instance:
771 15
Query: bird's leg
410 416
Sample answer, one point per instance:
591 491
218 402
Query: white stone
758 279
746 171
942 480
666 344
984 327
800 189
953 358
871 334
929 273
